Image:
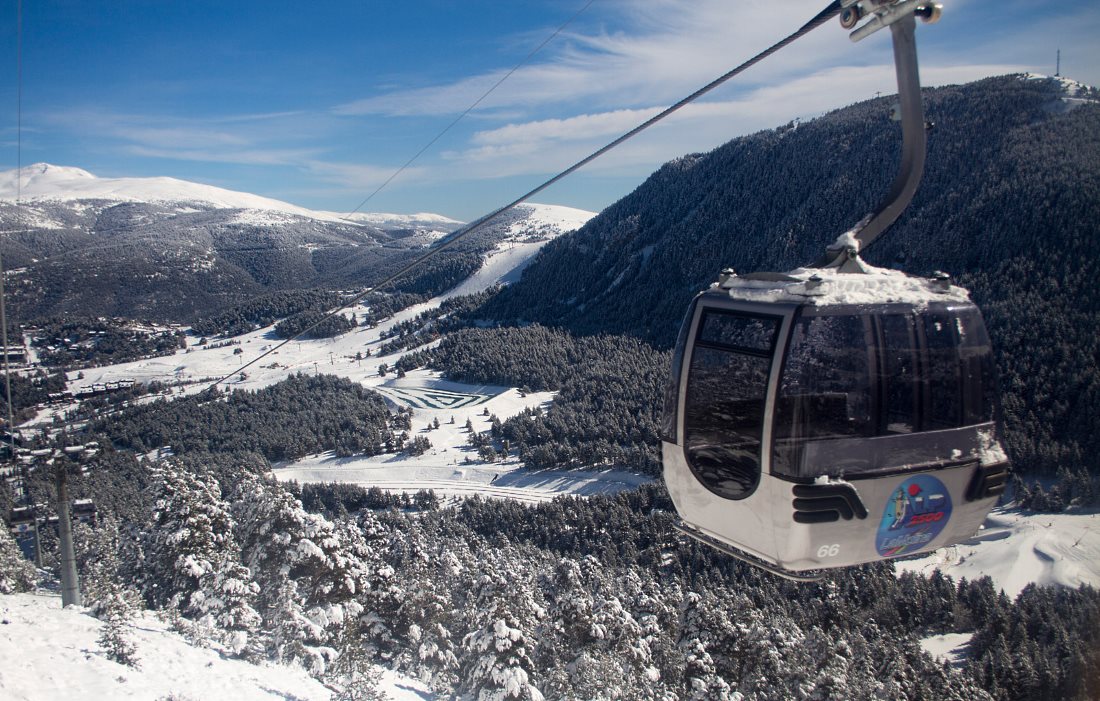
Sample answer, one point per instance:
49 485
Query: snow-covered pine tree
311 572
427 576
498 664
17 574
116 613
697 639
105 594
191 531
352 675
227 599
381 594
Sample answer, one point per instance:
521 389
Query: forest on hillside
599 597
1009 205
493 595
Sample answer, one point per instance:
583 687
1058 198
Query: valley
462 484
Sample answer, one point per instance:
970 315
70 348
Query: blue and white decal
916 513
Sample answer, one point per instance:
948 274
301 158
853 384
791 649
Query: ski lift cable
394 175
18 220
459 118
830 11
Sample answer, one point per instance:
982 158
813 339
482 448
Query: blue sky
317 103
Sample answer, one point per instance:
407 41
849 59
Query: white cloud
353 177
664 49
546 146
248 139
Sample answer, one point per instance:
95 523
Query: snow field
951 647
1016 548
443 467
51 653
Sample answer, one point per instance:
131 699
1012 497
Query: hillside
1009 205
171 250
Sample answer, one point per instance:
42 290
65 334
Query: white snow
385 220
442 470
827 286
51 653
50 183
950 647
1016 548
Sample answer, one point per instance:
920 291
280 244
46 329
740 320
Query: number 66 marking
828 550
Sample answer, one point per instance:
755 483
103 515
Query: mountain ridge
170 250
1009 205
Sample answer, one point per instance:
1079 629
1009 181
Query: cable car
838 414
824 419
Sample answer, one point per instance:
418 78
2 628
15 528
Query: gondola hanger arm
900 16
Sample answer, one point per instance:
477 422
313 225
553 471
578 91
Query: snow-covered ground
505 480
444 467
1015 548
951 647
50 653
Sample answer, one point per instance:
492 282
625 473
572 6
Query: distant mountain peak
54 183
51 171
1071 87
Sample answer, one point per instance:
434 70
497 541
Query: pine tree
352 674
499 666
17 574
311 572
116 612
105 594
191 532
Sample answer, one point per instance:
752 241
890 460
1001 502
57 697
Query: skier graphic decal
916 513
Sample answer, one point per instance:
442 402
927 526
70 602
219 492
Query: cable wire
825 15
469 109
18 224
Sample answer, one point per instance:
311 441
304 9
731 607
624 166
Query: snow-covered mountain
174 250
43 182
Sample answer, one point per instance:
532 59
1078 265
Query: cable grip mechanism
900 16
883 13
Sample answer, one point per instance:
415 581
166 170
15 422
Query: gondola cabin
823 419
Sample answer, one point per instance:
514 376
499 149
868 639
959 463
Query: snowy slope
1016 548
383 220
43 182
444 467
50 653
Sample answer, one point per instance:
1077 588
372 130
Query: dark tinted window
899 374
826 387
754 334
944 390
979 380
726 394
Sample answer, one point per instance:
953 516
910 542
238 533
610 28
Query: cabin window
979 375
888 374
726 395
944 397
826 387
899 375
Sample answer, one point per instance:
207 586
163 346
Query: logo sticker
915 514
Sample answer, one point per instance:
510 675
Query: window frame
922 385
719 303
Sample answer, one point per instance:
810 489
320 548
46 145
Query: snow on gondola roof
828 287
